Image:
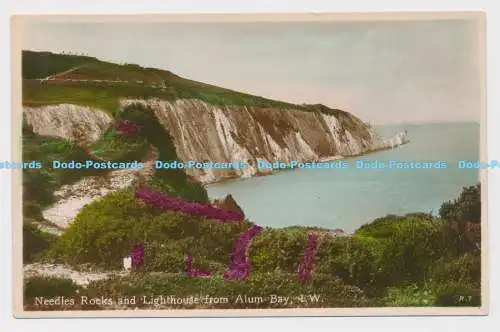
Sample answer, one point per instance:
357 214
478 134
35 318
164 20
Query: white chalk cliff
205 132
72 122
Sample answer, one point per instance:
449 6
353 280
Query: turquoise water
348 198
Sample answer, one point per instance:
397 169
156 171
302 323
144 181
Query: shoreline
237 178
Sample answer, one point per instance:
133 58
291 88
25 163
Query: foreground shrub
466 208
35 242
460 237
458 281
356 260
411 251
386 226
278 250
60 293
106 230
465 269
381 227
48 287
170 256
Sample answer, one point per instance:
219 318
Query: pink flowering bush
178 205
309 258
137 255
239 265
127 127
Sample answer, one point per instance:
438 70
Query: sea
349 197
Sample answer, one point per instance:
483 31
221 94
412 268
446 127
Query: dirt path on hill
73 197
54 76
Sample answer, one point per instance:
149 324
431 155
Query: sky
383 72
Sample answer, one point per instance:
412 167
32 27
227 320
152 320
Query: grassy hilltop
412 260
138 82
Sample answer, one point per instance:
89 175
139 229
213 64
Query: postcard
245 165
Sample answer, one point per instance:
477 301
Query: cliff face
74 123
204 132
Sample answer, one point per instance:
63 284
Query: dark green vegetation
38 241
466 208
411 260
49 287
115 146
43 64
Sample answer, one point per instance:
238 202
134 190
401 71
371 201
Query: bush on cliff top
114 146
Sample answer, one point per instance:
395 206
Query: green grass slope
43 64
101 84
121 81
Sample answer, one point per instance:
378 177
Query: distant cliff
205 132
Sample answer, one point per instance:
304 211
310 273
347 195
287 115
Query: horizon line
424 122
